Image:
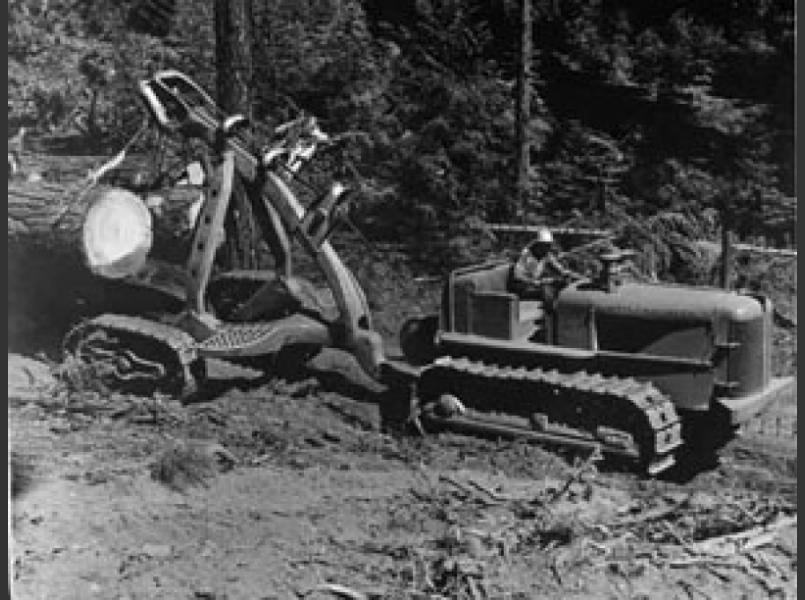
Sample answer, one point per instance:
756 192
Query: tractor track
773 433
579 402
126 342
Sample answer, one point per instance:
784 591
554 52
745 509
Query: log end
117 234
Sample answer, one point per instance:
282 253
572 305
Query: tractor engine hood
664 301
729 331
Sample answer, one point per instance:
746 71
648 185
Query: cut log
117 234
53 215
50 285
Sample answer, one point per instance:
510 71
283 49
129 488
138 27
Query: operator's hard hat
544 236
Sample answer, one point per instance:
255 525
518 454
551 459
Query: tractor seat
530 319
531 310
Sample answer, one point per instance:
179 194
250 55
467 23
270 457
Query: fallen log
53 214
44 212
50 282
743 541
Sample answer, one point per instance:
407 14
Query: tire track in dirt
775 430
764 456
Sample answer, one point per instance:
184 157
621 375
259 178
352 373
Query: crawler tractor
642 371
637 370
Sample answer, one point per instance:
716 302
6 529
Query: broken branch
745 540
341 591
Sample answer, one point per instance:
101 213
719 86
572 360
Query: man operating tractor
538 268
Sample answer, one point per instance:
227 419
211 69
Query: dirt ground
285 488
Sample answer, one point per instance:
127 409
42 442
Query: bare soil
286 485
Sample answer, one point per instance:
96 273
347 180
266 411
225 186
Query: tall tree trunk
524 105
233 51
234 23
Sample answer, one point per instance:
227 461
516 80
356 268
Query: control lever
612 265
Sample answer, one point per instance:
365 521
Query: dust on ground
296 490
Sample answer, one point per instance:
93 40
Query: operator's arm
556 266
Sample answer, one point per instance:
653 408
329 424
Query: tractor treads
622 415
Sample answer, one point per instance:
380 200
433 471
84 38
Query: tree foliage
644 112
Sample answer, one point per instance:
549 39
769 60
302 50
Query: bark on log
44 209
52 215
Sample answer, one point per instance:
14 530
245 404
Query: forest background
648 117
